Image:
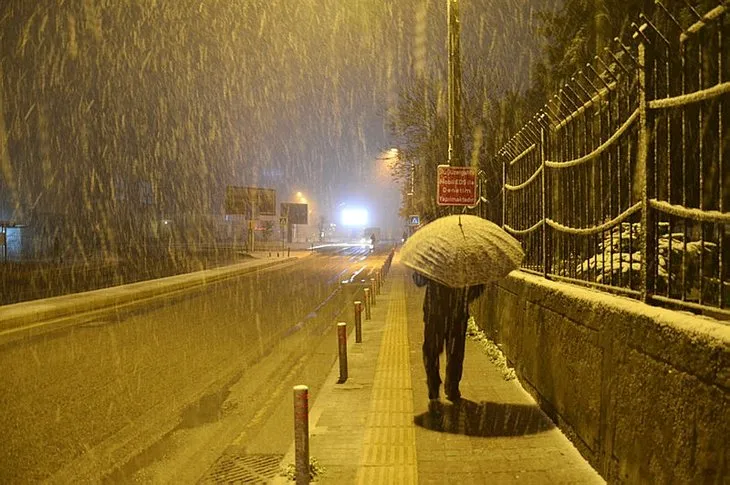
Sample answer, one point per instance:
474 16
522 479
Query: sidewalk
376 428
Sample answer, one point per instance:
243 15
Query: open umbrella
462 250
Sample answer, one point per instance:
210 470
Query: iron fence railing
621 181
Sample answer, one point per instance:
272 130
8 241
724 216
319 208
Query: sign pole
456 148
251 235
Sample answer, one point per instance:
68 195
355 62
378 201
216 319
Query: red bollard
342 347
358 322
301 434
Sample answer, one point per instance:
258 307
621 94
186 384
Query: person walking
445 317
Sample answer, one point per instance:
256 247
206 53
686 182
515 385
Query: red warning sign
456 185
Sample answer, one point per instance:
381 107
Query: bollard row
388 261
301 392
369 299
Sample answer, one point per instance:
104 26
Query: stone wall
643 392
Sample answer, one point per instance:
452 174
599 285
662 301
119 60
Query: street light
300 198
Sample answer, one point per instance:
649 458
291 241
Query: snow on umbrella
462 250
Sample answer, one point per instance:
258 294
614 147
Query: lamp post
456 147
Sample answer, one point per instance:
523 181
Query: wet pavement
88 398
377 426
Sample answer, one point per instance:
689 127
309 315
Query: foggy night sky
191 96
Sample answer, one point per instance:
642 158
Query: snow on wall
709 330
643 392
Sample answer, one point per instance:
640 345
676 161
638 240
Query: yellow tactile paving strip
389 448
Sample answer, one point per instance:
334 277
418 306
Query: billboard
250 201
295 213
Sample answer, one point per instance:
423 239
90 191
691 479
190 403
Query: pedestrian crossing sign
414 220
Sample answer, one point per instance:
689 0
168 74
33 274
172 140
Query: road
81 403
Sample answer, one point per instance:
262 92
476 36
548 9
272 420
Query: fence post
301 434
545 258
645 166
358 322
504 192
342 350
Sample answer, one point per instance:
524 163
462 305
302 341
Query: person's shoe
454 396
434 419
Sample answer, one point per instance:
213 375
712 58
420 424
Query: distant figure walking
372 241
445 316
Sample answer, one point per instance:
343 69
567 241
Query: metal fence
621 182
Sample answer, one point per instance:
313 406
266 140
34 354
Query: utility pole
456 146
6 168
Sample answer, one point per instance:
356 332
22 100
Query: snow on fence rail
619 181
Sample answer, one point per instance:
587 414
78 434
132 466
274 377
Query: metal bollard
367 303
358 322
301 433
372 292
342 347
378 280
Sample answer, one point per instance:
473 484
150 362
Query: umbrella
462 250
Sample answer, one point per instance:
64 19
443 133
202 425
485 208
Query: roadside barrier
301 392
358 322
342 348
301 434
388 261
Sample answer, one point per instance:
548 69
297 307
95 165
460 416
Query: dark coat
445 303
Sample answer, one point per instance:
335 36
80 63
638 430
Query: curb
25 319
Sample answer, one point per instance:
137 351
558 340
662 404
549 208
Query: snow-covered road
82 401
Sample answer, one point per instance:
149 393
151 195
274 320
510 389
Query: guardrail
618 183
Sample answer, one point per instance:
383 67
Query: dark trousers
437 333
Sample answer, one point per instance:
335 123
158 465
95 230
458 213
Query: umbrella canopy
462 250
